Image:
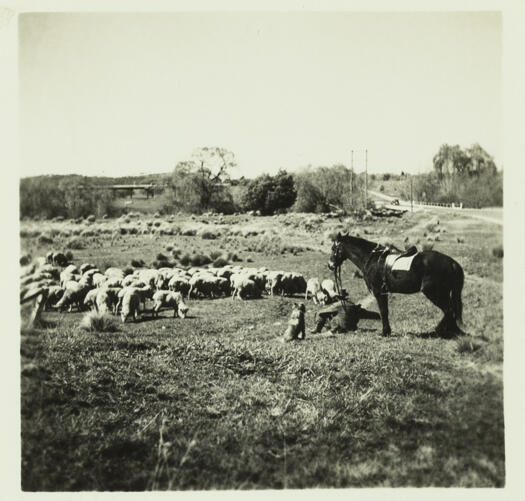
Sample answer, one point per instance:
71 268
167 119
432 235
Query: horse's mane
366 245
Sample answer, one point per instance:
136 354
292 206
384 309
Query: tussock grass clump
75 243
498 251
467 345
98 322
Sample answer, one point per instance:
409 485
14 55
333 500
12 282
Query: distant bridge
149 189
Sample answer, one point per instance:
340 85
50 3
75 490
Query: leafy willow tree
461 175
198 184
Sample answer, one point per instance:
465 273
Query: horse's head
337 256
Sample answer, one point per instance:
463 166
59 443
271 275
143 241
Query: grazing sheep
107 300
312 287
246 288
179 284
114 272
169 299
208 285
328 287
98 279
90 299
130 305
86 267
273 281
74 294
54 294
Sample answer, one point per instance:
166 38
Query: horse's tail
455 295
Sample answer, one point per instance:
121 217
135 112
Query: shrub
44 239
127 271
137 263
156 215
161 257
69 255
200 260
25 259
75 243
156 223
91 218
98 322
215 254
169 248
189 232
498 251
220 261
208 235
185 259
466 345
176 252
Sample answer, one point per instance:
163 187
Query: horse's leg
382 302
447 326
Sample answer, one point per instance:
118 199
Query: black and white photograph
262 249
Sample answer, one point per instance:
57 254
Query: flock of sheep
64 285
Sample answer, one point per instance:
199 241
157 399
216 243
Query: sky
128 93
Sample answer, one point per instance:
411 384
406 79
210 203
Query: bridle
337 256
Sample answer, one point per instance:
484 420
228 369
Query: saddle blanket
396 262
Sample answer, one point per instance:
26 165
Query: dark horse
436 275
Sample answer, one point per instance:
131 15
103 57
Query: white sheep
169 299
312 287
130 305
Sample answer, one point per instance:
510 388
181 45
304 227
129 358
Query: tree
270 193
198 183
321 189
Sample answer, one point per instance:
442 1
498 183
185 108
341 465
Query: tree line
203 183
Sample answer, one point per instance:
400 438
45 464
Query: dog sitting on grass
296 326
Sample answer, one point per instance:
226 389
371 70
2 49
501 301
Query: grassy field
216 401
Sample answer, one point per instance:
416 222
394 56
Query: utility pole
411 192
366 179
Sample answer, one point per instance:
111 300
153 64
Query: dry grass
215 401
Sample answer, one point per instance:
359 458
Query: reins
382 250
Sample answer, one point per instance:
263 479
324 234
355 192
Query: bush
44 239
498 251
200 260
215 254
75 243
185 259
91 218
69 255
220 261
98 322
189 232
137 263
208 235
161 257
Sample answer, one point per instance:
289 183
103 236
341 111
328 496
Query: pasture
216 401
